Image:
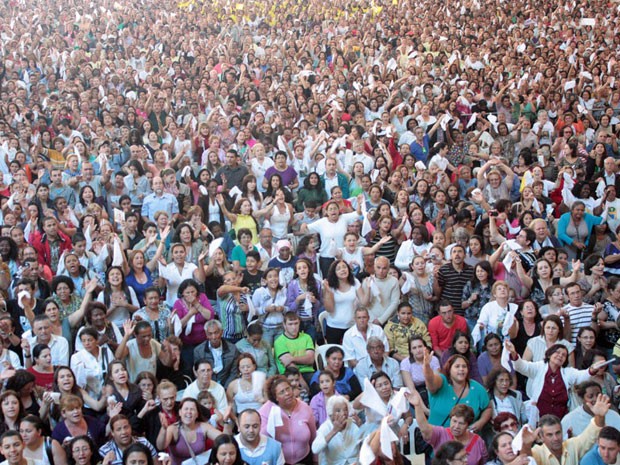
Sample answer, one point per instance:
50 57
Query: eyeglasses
77 450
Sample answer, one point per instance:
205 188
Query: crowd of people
309 233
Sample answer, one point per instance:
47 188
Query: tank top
355 259
180 450
245 399
279 222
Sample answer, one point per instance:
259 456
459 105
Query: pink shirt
476 450
297 432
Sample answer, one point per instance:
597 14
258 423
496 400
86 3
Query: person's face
291 327
284 395
119 374
43 330
383 386
13 449
137 458
167 398
342 270
326 385
552 437
457 255
214 336
81 452
578 212
558 357
587 340
575 296
381 268
51 228
29 433
121 433
504 445
361 320
204 373
284 253
249 427
459 371
494 347
266 238
405 315
481 274
334 362
246 367
10 407
458 426
178 254
89 342
608 450
447 314
501 292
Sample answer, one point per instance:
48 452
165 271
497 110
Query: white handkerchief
366 226
370 398
177 328
569 85
21 296
387 438
216 244
119 216
472 120
406 287
251 309
517 442
586 75
258 381
505 360
274 420
203 190
476 335
333 248
117 255
190 325
398 404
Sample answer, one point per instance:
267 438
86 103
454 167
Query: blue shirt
592 457
420 152
152 204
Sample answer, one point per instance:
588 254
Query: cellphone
493 213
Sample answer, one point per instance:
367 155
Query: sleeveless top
179 451
246 399
279 222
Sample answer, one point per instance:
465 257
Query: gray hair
211 323
333 401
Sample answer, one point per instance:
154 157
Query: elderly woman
338 439
550 380
575 228
289 421
461 417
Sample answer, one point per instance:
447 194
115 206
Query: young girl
353 254
232 304
206 399
270 303
327 385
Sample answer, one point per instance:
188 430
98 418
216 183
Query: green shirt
296 347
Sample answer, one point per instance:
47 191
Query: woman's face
417 350
587 340
502 383
226 455
188 413
333 212
119 374
461 345
335 362
66 381
273 279
81 452
459 371
246 207
529 310
185 235
146 385
115 277
481 274
178 255
543 269
284 395
599 268
246 367
45 358
140 458
551 331
501 292
63 292
494 347
504 449
383 386
52 312
10 407
559 357
342 270
302 270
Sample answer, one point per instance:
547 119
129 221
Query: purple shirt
476 450
288 175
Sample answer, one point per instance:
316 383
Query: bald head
382 265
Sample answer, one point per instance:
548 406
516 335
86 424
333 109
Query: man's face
158 185
361 320
575 297
522 239
121 433
204 374
249 427
376 351
56 177
608 450
43 330
12 449
552 437
541 230
291 327
447 314
231 159
144 337
382 267
457 255
214 336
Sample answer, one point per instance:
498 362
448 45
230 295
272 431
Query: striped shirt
580 317
452 283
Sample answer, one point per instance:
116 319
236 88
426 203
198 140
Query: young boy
252 275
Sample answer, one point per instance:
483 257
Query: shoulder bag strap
48 450
189 447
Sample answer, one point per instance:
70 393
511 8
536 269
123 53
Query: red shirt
554 396
441 336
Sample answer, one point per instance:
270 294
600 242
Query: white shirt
58 345
90 370
342 449
407 251
354 344
11 358
216 389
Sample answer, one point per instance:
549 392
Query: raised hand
601 406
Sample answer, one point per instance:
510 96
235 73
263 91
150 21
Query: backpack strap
48 450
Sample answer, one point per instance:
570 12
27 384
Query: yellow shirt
573 449
246 221
398 335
